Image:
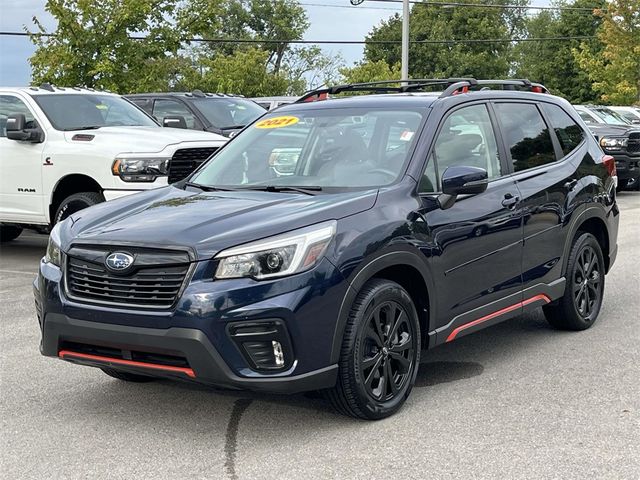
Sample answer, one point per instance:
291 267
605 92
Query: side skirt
498 311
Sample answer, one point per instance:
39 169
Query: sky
327 23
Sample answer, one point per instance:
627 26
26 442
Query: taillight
610 164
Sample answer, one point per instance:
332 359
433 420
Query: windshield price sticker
277 122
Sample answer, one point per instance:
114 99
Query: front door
21 196
475 247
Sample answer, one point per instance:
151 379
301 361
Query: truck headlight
53 254
140 169
277 256
612 143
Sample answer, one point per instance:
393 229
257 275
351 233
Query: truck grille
152 286
634 143
186 160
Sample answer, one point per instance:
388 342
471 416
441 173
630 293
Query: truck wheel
578 308
622 184
380 352
126 376
76 202
9 232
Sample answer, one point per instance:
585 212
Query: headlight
609 143
140 169
54 254
278 256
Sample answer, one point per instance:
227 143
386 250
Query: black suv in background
213 112
404 220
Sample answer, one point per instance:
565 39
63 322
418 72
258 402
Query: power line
334 42
489 5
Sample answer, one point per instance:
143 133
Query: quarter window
526 135
171 108
465 139
568 132
10 105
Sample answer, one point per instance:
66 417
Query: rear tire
380 353
578 308
9 233
76 202
126 376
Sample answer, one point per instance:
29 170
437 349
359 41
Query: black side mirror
16 130
174 121
461 181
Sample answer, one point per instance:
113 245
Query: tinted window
228 112
465 139
526 135
10 105
586 117
172 108
568 132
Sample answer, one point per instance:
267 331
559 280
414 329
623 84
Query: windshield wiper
233 127
310 190
88 127
207 188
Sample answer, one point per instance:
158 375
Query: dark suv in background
405 219
213 112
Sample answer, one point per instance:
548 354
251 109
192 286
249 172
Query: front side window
328 147
466 138
587 117
171 108
67 111
526 135
569 133
10 105
228 112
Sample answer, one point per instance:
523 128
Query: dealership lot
517 400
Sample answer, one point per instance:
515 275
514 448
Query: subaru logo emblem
118 261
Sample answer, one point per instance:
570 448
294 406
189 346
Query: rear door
544 145
476 245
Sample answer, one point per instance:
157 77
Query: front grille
148 286
186 160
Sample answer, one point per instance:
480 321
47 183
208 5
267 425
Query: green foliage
552 62
368 71
615 70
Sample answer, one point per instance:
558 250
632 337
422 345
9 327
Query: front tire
380 352
9 233
76 202
578 308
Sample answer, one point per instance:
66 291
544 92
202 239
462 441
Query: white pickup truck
62 150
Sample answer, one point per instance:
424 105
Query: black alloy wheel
586 282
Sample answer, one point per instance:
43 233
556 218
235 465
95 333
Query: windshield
82 111
228 112
338 147
610 117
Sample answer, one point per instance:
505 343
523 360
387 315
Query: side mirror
16 129
174 121
461 181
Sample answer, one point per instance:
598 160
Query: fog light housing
265 345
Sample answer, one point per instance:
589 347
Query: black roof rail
385 86
463 86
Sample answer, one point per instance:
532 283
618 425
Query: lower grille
633 145
186 160
155 286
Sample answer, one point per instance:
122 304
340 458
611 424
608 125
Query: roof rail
453 86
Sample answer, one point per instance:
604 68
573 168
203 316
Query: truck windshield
68 111
609 116
337 147
228 112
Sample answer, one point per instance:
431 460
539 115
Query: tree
433 23
553 62
368 71
309 67
92 45
615 70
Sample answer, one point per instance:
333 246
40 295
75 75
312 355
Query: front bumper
200 330
627 167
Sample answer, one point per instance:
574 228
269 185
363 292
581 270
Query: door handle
510 200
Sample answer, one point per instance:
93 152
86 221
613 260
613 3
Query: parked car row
618 132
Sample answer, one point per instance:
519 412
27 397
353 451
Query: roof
194 94
46 89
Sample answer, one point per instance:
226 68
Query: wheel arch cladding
403 267
598 228
69 185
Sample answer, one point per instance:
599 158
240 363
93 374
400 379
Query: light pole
404 68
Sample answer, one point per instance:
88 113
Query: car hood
612 130
205 222
140 139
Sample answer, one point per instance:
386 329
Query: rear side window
526 135
568 132
10 105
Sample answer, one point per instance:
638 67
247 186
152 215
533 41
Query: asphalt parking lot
518 400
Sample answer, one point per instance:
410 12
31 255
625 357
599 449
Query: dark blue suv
331 241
